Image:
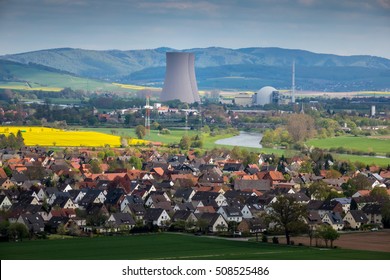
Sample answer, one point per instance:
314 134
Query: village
69 192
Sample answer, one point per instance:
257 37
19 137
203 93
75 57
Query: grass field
365 144
176 135
41 79
363 159
173 137
171 246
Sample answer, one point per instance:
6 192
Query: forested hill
246 68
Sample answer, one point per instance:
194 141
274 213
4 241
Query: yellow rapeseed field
21 87
43 136
134 87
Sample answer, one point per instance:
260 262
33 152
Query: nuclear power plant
180 81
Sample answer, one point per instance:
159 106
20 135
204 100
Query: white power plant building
266 95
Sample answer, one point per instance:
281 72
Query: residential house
300 197
245 211
275 177
183 195
130 199
5 202
259 185
114 198
230 214
33 222
184 215
345 203
92 197
6 183
157 216
120 221
357 203
156 198
55 221
207 198
330 206
313 219
361 193
233 166
137 210
355 219
373 213
252 226
333 219
188 206
64 202
214 222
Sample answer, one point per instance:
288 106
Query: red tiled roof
276 175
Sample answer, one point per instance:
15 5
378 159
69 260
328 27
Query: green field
365 144
41 79
170 246
172 138
176 135
363 159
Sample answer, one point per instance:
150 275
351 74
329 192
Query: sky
343 27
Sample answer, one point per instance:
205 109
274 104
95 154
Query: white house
333 219
230 214
354 219
5 202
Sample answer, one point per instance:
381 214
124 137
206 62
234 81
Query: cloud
306 2
384 3
167 6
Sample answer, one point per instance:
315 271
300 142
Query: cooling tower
180 81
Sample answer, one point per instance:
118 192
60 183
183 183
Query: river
244 139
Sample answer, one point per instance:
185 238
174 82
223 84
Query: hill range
216 68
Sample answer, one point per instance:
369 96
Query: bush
275 240
165 131
264 239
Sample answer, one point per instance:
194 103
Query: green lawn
171 246
365 144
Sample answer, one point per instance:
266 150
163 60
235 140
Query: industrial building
180 81
266 95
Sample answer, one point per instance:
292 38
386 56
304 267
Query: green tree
359 182
74 230
306 167
206 129
385 211
19 140
4 228
61 230
319 190
327 233
287 214
140 130
17 230
136 162
95 166
202 225
379 194
156 125
185 142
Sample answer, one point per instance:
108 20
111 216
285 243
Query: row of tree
12 141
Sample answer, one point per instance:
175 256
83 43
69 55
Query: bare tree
300 127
